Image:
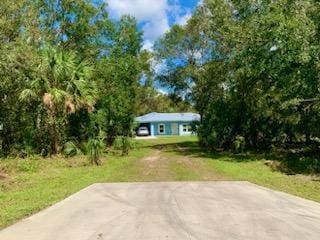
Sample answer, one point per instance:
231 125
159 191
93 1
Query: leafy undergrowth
29 185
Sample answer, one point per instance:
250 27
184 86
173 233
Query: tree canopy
62 64
251 68
70 73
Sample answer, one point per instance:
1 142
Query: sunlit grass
26 191
29 185
257 172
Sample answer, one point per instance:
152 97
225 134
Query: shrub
70 149
124 144
95 147
239 144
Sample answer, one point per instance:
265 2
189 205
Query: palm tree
62 84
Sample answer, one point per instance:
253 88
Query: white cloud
183 19
162 91
154 29
153 13
200 3
154 16
141 9
147 45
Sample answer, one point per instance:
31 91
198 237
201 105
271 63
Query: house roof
168 117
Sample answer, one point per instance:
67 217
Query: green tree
82 26
120 79
252 68
16 59
75 71
61 85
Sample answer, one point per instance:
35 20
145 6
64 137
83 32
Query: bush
95 147
70 149
124 144
239 144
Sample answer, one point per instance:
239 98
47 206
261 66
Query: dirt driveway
173 210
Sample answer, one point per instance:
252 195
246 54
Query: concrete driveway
193 210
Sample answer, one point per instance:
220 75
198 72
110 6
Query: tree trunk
53 132
6 140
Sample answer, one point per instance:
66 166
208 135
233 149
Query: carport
147 125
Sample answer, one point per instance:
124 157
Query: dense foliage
251 69
151 100
55 58
68 73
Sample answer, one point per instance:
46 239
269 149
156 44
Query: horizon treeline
70 73
251 68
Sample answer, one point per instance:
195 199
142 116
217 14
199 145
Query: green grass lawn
27 186
29 189
257 172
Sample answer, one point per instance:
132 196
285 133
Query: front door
174 129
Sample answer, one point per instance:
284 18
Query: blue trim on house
170 128
168 117
172 122
151 129
167 128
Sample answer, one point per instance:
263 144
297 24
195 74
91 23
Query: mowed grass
27 190
27 186
257 172
240 167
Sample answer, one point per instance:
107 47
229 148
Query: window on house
186 128
161 129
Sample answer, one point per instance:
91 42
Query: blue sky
155 17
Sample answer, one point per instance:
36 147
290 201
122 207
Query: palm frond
27 95
58 95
